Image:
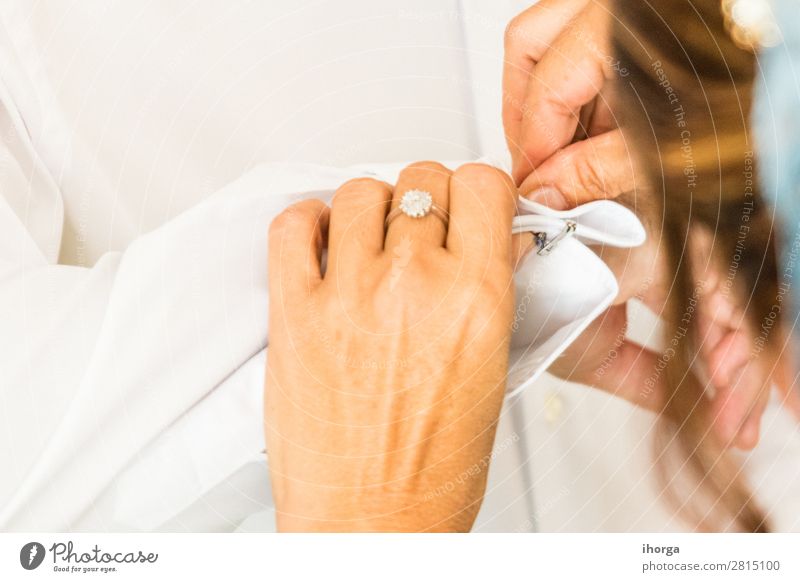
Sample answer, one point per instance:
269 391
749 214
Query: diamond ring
417 204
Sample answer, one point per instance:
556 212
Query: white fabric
130 378
558 294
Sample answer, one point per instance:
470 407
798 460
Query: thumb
592 169
604 357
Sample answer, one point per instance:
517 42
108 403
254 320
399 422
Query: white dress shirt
134 204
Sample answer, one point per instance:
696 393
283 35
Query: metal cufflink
547 246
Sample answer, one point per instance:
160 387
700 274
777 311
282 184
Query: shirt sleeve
98 361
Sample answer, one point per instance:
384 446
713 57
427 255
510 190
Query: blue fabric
776 119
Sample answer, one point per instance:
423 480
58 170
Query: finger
602 118
358 211
593 169
727 359
528 36
633 375
569 76
521 245
637 271
733 402
296 239
603 357
430 177
482 204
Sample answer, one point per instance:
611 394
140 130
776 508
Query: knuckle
428 166
477 172
589 178
512 29
556 99
297 213
358 186
362 183
279 224
358 193
484 176
522 29
310 208
516 26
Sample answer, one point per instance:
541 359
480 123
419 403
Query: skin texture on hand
385 375
740 376
567 150
558 120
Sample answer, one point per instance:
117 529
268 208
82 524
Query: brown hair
686 104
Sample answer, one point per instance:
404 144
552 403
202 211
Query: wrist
450 506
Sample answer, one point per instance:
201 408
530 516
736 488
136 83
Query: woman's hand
385 375
557 64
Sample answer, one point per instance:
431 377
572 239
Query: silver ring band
434 210
417 204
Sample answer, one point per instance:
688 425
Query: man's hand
567 150
741 377
559 125
385 375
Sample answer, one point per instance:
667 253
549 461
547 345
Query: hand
557 63
603 356
741 373
741 376
385 375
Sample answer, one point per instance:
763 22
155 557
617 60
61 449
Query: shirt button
553 408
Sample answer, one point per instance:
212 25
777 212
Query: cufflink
547 246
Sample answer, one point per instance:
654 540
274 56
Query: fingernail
549 196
